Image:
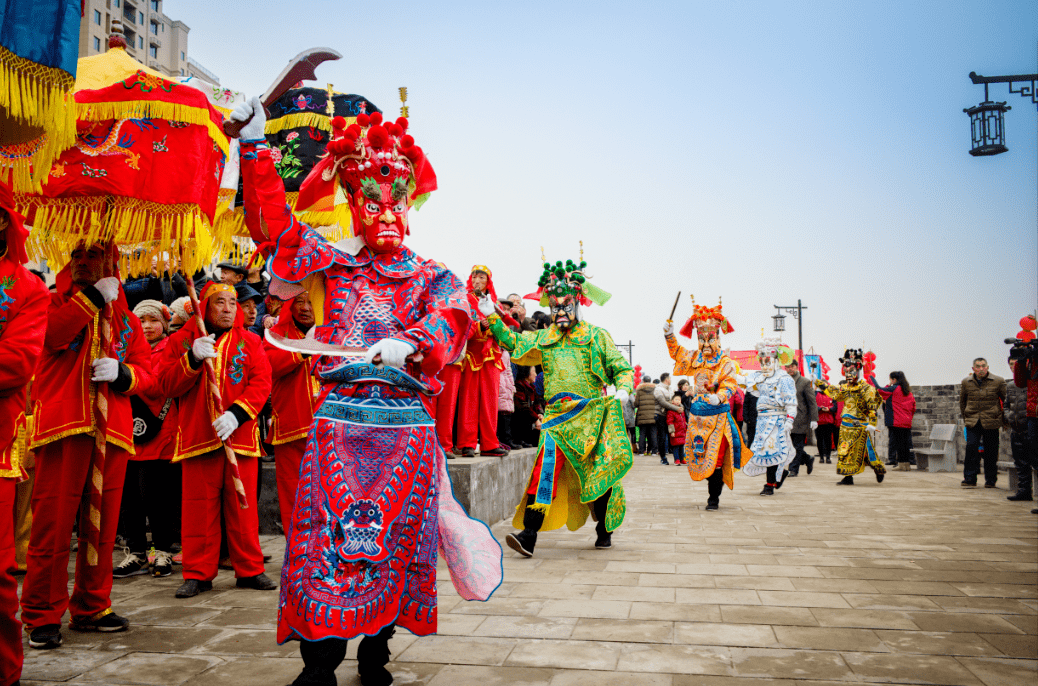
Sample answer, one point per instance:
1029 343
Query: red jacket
64 395
829 411
902 407
294 391
161 446
677 420
23 323
243 376
482 347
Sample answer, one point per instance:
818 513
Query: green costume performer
858 422
584 449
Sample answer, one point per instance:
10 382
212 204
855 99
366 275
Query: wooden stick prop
674 309
214 388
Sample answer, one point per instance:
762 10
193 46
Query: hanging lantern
780 321
988 126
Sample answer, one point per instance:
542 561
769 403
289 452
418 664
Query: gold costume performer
858 422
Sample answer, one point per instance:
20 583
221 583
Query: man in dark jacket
981 398
807 419
1016 417
646 415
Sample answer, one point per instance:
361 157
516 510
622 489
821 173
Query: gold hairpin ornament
403 102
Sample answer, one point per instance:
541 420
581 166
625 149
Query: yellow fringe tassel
41 96
298 121
154 109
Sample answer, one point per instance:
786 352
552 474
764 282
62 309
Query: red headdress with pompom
705 316
369 149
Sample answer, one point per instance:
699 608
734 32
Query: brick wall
938 405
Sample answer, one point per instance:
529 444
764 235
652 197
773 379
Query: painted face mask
850 372
380 211
709 343
565 311
768 363
852 362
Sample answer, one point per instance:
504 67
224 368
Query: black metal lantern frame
987 120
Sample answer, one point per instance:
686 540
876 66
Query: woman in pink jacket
898 410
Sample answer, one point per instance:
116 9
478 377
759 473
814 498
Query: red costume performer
293 400
94 358
243 375
23 322
480 375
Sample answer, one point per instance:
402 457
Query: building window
117 4
153 51
182 56
97 17
140 42
97 44
154 29
141 22
154 5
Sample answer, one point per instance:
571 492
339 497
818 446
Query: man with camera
1023 358
981 398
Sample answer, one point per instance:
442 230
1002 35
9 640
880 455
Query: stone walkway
910 581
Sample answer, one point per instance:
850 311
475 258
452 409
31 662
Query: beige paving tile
968 622
994 590
864 619
476 675
1028 625
166 615
823 585
561 591
717 596
1014 646
939 643
789 664
675 612
711 569
252 670
757 583
159 639
914 669
458 650
802 599
1001 672
149 668
829 638
602 609
916 587
714 680
739 635
459 625
674 659
602 578
1009 606
526 627
791 571
880 601
641 594
500 606
565 654
643 567
63 664
623 630
744 614
681 580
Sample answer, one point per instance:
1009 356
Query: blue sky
759 151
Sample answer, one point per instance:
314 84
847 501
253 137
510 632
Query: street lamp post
780 323
629 345
987 120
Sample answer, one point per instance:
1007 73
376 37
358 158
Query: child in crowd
676 427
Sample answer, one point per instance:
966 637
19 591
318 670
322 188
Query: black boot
714 484
1020 495
320 658
847 481
373 656
605 538
768 490
524 541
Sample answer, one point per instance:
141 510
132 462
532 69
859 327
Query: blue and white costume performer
776 408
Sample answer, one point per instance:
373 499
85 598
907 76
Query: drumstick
674 309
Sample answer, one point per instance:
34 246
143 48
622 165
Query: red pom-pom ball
378 137
338 123
1028 324
412 153
394 130
363 119
407 141
402 122
376 118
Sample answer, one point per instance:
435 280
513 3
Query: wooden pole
674 309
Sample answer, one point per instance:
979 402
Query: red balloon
1028 323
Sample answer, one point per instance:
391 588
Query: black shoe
133 564
468 452
796 473
373 656
663 461
605 538
989 486
847 481
192 587
712 503
496 452
106 623
879 476
45 637
1020 495
828 460
969 484
522 542
163 565
810 465
768 490
449 454
267 558
260 582
1034 511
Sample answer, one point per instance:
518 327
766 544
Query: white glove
788 426
871 429
486 306
253 108
394 353
622 396
814 425
204 348
713 399
225 425
108 287
668 329
106 369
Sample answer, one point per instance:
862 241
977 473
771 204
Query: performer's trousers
662 437
1022 461
715 482
10 627
801 457
287 457
321 658
646 438
151 492
901 441
23 517
62 491
477 407
446 405
974 436
825 436
504 428
772 475
208 494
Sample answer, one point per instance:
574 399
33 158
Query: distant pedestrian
646 416
676 428
828 431
898 411
1016 418
806 419
981 397
662 396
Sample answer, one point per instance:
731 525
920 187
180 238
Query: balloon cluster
637 374
1027 328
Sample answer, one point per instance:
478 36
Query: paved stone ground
910 581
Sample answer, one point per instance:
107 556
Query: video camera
1023 350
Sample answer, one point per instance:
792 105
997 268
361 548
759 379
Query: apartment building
152 38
